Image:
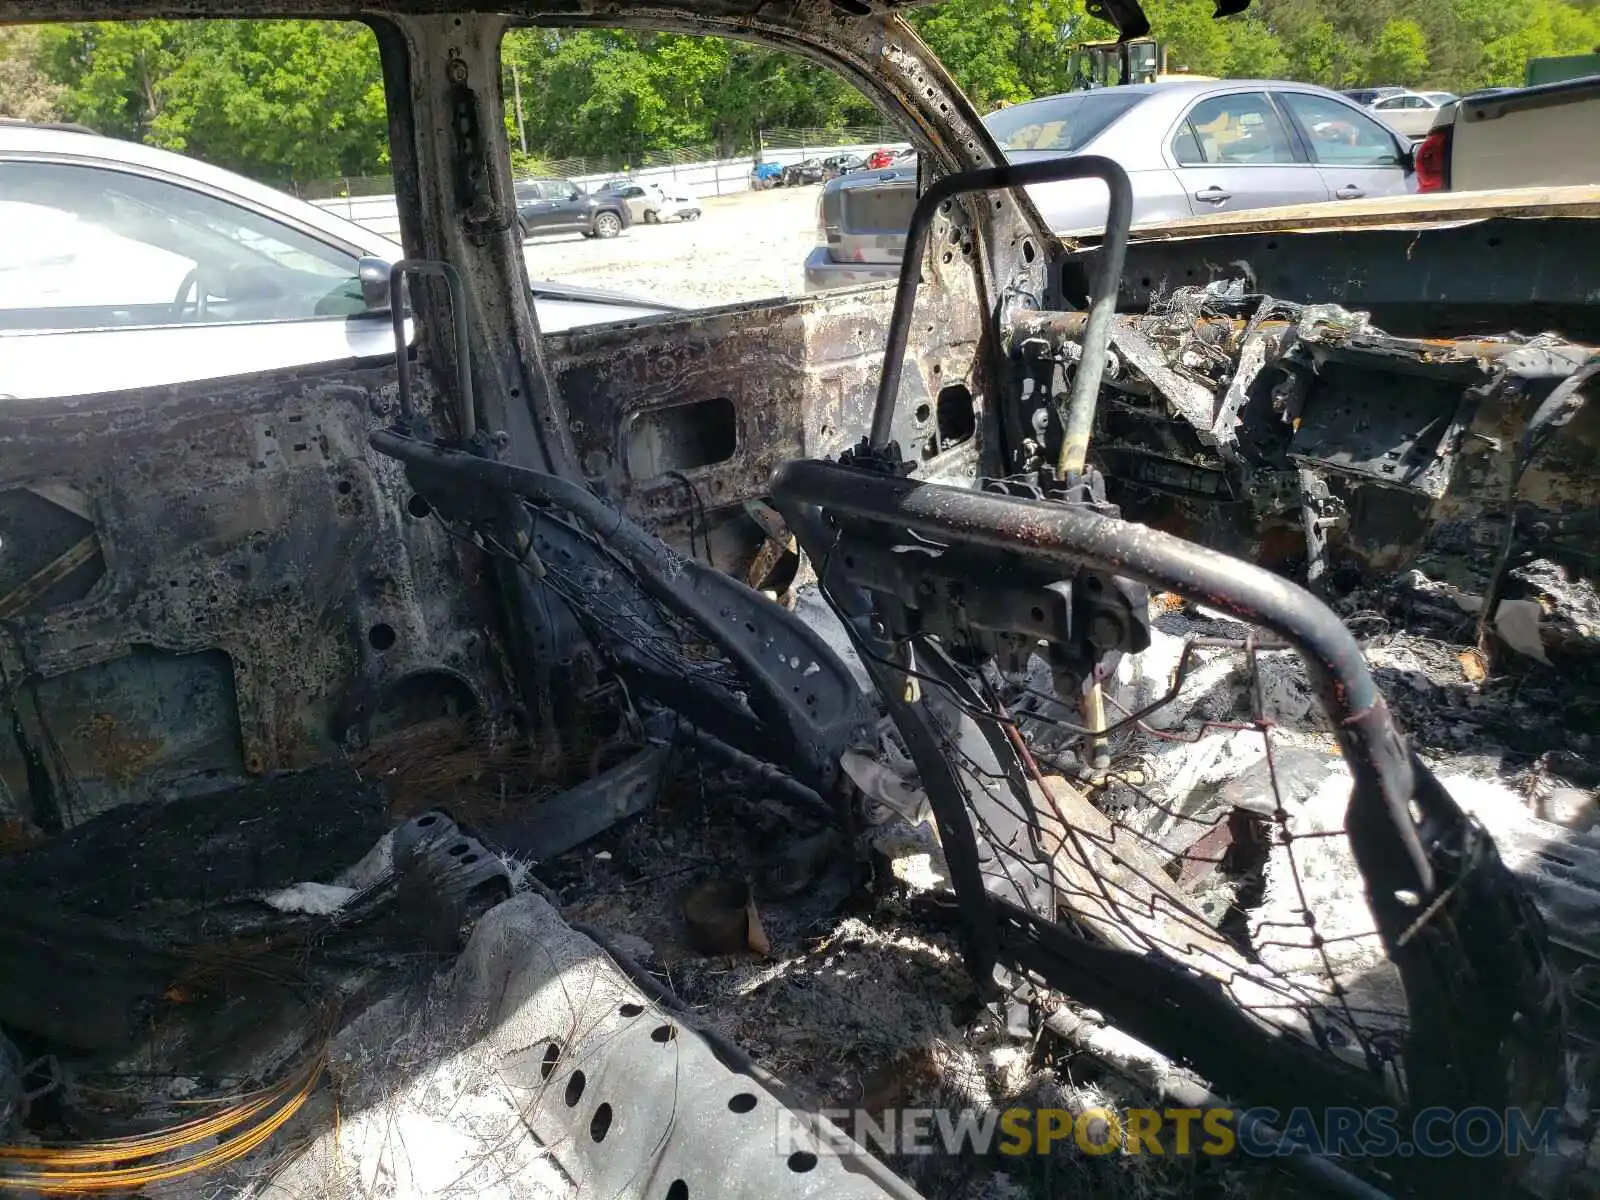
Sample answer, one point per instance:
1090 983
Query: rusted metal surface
801 375
266 590
1468 278
280 545
1231 428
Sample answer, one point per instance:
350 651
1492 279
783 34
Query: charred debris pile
1443 496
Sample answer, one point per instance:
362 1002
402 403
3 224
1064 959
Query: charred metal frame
1441 897
1440 894
803 705
1091 366
453 184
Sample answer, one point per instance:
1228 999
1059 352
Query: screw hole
663 1034
631 1010
419 507
678 1191
741 1102
600 1123
552 1056
575 1083
345 487
802 1161
381 637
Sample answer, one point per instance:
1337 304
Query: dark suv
560 206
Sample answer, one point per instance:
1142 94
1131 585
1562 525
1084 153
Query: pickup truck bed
1544 135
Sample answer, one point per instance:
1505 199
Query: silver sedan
1190 149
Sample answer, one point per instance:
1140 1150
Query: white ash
450 1134
1317 876
318 899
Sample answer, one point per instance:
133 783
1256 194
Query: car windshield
1060 123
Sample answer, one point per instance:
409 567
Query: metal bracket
458 309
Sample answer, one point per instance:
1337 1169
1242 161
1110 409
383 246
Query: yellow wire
290 1098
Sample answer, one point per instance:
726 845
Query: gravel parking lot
750 246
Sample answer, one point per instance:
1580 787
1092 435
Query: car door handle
1213 195
1349 192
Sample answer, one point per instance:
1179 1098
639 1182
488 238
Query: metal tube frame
1097 331
1382 832
458 311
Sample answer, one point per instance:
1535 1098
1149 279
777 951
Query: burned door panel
721 398
240 586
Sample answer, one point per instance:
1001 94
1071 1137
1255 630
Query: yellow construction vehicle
1110 63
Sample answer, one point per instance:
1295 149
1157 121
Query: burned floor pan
816 1013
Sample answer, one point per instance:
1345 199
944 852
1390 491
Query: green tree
1400 55
26 92
291 101
283 101
112 70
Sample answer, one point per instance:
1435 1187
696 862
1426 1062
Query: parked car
639 198
836 165
809 170
1412 113
1440 97
1190 149
1514 137
671 199
766 175
561 206
879 159
125 266
1366 96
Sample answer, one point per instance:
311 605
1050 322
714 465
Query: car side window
1242 129
1340 135
93 248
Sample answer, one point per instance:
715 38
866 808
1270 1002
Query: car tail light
1433 161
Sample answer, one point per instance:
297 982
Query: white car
123 266
671 199
1410 113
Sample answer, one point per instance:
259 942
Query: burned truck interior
1212 614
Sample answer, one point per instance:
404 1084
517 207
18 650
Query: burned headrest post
1096 333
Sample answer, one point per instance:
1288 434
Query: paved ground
750 246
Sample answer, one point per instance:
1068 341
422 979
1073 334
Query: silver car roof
93 147
1137 138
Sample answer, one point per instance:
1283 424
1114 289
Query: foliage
279 100
293 101
26 92
600 92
